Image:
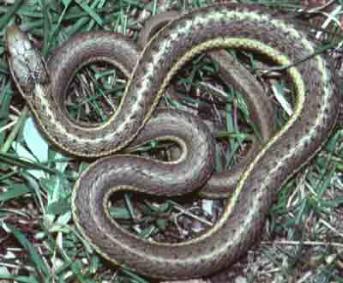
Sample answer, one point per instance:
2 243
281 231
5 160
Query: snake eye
26 64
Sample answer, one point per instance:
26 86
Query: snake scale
245 27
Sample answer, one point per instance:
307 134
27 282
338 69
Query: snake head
26 64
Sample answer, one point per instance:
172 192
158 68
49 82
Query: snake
47 103
225 25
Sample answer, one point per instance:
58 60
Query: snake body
221 26
230 71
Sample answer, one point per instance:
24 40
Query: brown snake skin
235 74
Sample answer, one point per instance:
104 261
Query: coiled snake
221 26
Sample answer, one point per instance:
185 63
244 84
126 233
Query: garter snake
221 26
48 107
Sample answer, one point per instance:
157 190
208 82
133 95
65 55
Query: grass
303 237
